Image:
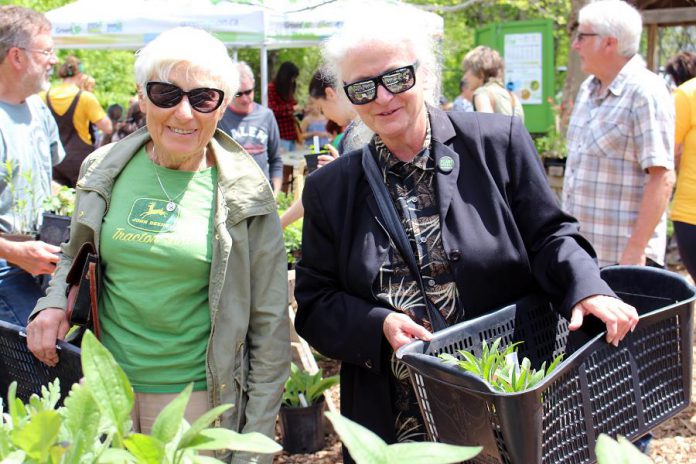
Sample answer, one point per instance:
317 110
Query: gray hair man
254 127
29 147
619 173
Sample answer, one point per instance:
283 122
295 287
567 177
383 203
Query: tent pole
264 75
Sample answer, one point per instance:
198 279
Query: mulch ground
674 442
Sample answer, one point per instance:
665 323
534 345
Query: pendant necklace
171 203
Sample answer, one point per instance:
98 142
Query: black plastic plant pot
303 428
598 388
54 229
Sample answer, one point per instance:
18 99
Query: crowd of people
418 219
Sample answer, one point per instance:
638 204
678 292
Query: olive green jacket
248 351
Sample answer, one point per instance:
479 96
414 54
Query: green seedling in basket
501 367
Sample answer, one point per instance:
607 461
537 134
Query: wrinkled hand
35 257
617 315
49 325
400 330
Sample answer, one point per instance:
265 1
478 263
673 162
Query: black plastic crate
18 364
598 388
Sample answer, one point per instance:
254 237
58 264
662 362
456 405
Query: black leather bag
84 287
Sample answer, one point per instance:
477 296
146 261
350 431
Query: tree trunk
574 75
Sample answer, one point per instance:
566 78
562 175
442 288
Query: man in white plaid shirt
619 172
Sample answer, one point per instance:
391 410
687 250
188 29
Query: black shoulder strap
396 231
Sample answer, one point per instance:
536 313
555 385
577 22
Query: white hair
389 25
614 18
204 56
245 71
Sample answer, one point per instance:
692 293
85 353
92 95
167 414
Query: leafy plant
292 234
501 369
23 197
620 451
303 388
62 202
94 424
367 448
284 201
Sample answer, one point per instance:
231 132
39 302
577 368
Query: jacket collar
244 187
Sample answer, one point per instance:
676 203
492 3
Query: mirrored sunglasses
396 81
165 95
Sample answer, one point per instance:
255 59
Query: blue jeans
19 292
286 145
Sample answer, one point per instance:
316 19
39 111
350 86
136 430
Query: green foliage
501 369
292 234
94 423
61 203
621 451
367 448
302 385
24 204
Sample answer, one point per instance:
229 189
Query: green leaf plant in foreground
94 425
620 451
501 369
367 448
304 386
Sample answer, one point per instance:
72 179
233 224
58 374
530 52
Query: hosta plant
303 388
501 368
94 425
620 451
365 447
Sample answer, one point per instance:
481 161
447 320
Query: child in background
314 123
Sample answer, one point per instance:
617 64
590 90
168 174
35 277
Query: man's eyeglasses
47 52
395 81
203 100
243 93
581 35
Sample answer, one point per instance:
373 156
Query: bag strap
396 231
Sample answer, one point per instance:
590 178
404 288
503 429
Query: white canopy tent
130 24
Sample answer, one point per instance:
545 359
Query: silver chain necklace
171 203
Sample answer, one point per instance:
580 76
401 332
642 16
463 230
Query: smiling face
181 133
38 64
400 118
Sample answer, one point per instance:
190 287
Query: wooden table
294 165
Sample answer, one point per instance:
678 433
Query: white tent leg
264 76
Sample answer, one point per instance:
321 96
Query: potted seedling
19 184
301 410
58 209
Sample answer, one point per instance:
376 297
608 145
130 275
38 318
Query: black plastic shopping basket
598 388
18 364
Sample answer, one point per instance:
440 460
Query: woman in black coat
476 211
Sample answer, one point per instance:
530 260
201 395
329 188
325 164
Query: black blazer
502 229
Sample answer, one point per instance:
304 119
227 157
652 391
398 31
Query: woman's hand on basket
400 330
617 315
49 325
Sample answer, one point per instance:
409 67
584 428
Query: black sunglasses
245 92
203 100
397 80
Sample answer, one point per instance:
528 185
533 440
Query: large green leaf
364 446
15 457
146 449
116 456
315 391
219 438
107 382
611 451
81 419
202 423
633 454
432 453
199 459
38 436
169 419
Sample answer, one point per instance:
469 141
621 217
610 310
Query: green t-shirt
154 310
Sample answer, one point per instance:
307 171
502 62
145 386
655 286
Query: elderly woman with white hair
439 219
194 269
